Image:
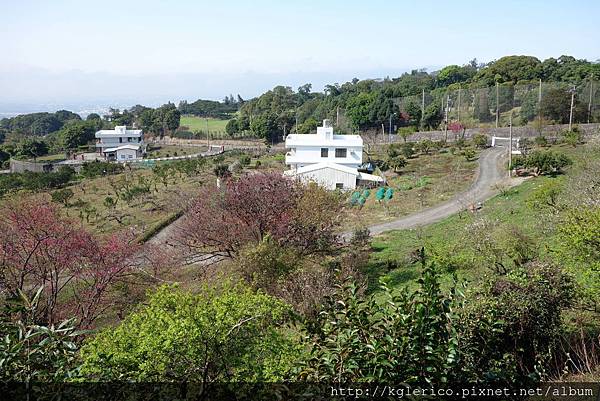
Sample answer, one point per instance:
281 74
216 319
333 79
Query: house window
339 185
120 140
130 156
341 152
324 152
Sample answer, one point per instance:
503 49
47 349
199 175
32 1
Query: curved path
491 174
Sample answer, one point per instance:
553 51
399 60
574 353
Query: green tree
76 134
547 162
232 127
63 196
265 127
433 116
556 106
32 148
454 74
359 109
230 334
408 336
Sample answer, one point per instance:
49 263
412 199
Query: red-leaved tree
40 248
223 220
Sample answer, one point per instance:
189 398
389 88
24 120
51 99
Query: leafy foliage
33 352
406 337
231 334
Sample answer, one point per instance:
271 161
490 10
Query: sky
85 53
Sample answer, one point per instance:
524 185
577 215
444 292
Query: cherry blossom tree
223 220
41 249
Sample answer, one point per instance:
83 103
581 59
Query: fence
492 107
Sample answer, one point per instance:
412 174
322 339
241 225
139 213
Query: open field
426 181
195 123
393 256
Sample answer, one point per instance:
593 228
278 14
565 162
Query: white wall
328 177
126 154
307 155
113 142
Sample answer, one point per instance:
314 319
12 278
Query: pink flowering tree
41 249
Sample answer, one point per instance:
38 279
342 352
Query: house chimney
326 123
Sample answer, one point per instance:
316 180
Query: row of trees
369 104
211 108
25 139
37 124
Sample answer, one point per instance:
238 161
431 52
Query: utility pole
390 131
497 106
571 111
296 126
539 105
458 106
590 102
446 117
510 145
337 116
207 135
422 106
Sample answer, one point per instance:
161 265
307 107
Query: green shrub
231 334
99 168
397 337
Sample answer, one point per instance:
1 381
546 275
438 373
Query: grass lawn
194 123
426 181
392 251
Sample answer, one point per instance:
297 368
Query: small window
324 152
120 140
341 152
130 156
339 185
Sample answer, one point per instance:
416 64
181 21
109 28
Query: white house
120 144
327 159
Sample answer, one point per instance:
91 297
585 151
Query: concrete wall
20 166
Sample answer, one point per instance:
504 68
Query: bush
245 159
573 137
541 141
480 140
231 334
33 352
98 168
511 327
547 162
404 337
469 154
35 181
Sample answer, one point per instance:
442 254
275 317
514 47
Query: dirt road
492 174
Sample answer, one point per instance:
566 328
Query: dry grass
426 181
